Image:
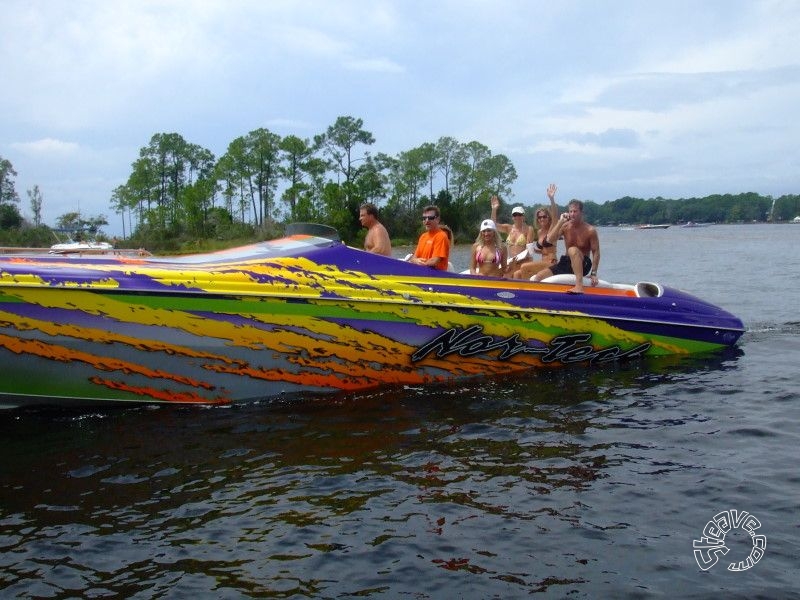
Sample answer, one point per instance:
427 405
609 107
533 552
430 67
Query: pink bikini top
479 256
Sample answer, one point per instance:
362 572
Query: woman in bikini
518 234
488 255
544 251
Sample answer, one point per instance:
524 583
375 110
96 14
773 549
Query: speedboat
690 224
307 313
77 247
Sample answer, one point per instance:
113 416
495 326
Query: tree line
178 191
747 207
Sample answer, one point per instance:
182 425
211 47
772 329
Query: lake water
577 483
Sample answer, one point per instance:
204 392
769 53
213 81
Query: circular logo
708 548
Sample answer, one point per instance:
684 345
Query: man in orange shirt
433 247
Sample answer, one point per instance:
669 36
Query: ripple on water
576 483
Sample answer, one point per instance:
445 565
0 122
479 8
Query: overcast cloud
607 99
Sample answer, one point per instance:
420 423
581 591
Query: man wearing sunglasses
433 247
581 240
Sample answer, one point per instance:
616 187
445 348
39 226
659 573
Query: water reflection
256 498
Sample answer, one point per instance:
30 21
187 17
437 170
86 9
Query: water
577 483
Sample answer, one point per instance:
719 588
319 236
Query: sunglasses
429 217
542 216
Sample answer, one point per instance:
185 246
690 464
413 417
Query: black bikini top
545 245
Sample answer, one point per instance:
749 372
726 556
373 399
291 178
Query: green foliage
728 208
339 211
76 223
9 216
339 143
174 186
36 200
170 183
8 193
786 207
27 236
250 171
299 165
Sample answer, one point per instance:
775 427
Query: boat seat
643 289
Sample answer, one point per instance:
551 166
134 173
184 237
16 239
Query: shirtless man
377 239
580 239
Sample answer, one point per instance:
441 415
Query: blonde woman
518 234
545 253
488 256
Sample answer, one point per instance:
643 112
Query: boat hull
308 315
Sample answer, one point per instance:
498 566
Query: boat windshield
287 246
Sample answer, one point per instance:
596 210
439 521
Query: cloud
47 148
616 142
611 138
663 91
291 126
376 65
760 36
294 40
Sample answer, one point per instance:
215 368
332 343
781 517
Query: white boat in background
796 219
648 226
693 224
81 247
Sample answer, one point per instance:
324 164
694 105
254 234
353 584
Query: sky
605 98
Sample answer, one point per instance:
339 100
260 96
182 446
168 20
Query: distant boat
82 247
796 219
649 226
693 224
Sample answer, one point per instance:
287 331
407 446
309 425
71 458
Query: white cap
517 210
488 224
